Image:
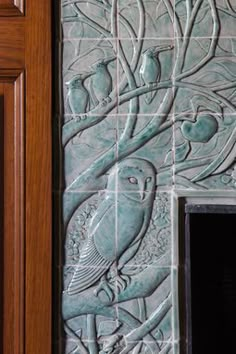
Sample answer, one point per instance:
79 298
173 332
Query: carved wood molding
11 8
13 219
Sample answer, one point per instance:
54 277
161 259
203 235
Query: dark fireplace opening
210 272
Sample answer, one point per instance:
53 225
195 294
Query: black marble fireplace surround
209 279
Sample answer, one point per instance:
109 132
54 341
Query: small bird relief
81 99
150 70
117 266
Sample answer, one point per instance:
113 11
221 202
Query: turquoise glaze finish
201 130
148 108
139 285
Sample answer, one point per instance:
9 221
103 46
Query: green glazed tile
147 110
153 65
145 19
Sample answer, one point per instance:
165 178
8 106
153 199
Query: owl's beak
142 195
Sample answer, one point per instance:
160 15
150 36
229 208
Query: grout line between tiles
68 39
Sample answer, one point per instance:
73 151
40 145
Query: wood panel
12 43
11 8
25 172
1 215
38 178
12 223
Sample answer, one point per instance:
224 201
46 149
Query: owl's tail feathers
91 268
149 97
84 279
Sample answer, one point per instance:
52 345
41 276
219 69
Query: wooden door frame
38 178
25 65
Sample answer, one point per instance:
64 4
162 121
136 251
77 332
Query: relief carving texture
148 107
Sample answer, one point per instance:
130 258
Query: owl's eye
133 180
148 179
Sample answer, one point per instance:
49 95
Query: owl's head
134 177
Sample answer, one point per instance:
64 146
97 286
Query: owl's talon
108 99
104 286
103 103
122 282
127 279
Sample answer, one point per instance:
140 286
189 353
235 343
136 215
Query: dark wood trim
12 43
12 216
26 267
11 8
1 213
38 178
19 213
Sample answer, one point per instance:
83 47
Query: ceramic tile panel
87 19
88 146
155 250
147 110
86 63
144 19
140 72
158 150
204 151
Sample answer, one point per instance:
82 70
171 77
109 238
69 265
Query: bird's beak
109 60
86 75
81 77
164 47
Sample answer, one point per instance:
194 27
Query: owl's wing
92 264
129 254
133 248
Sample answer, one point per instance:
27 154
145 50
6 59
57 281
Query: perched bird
101 82
117 228
78 96
150 70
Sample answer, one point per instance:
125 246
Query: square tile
80 227
87 147
87 330
87 20
142 64
204 145
196 50
154 247
194 21
89 69
144 19
209 20
206 73
226 13
155 148
149 302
